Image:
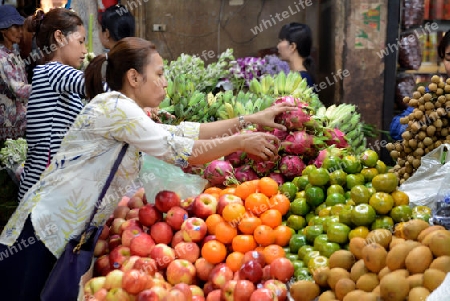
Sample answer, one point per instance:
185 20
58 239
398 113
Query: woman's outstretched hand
260 144
266 117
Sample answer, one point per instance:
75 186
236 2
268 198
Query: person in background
294 47
116 23
14 87
57 89
444 52
59 205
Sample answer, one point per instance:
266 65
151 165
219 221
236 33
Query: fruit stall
326 220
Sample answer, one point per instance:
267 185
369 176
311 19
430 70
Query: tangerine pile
252 222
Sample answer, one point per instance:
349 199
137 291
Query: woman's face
13 34
152 91
104 37
73 49
285 50
446 60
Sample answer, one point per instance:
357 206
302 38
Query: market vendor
57 207
294 47
116 23
14 87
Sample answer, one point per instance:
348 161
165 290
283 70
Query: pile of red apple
153 252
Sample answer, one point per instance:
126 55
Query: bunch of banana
243 103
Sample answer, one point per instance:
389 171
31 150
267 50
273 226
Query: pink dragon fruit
278 177
293 120
236 158
262 168
291 166
245 173
217 172
336 137
280 134
319 160
298 143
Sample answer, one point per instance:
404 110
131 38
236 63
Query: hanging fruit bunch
427 127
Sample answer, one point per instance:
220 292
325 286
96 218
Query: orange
271 218
225 232
212 221
264 235
233 213
283 235
280 202
243 243
260 249
213 190
400 198
273 252
214 251
257 203
244 189
268 186
234 261
249 223
228 190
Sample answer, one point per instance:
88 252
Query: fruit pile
427 127
408 265
224 243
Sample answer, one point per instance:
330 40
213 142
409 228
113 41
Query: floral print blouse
14 93
60 204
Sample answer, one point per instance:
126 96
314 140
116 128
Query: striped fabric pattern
54 103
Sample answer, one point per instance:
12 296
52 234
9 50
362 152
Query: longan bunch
427 127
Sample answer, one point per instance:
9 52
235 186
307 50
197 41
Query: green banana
255 86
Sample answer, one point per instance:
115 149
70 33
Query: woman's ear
59 38
133 77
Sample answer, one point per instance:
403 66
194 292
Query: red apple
220 275
101 294
188 205
113 279
196 290
205 205
128 235
204 268
174 295
94 285
131 224
215 295
135 202
282 269
121 212
118 294
118 256
163 255
102 266
198 298
266 273
140 192
252 271
180 271
133 214
175 217
149 215
187 250
177 238
105 233
114 241
116 227
142 245
161 232
134 281
123 201
162 283
194 229
226 199
258 256
129 263
101 248
147 265
228 290
185 289
153 294
278 287
263 294
243 290
164 200
208 288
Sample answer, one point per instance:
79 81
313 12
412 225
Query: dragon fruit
217 172
278 177
298 143
245 173
336 137
280 134
291 166
262 168
319 160
293 120
236 158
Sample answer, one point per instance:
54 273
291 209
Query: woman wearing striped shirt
57 89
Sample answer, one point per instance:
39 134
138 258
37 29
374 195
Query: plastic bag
413 13
423 187
442 292
410 52
157 175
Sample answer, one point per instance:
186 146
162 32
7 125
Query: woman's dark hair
119 22
444 43
128 53
45 25
301 35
